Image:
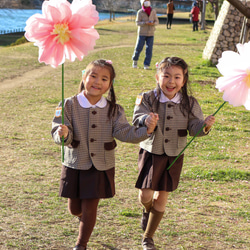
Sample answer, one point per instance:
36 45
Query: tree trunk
203 13
216 9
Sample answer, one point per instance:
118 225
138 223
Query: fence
11 31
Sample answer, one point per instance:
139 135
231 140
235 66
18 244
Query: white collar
163 98
83 101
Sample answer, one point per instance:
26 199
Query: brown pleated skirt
153 171
87 184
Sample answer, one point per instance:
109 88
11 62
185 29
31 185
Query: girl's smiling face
171 80
96 83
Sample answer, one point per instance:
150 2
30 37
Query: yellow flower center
247 78
62 32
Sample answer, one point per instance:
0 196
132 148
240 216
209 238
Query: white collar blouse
84 102
176 99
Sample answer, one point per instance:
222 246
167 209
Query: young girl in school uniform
91 124
178 113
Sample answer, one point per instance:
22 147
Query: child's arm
59 130
209 121
151 122
125 132
196 120
63 131
141 111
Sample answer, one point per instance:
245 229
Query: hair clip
157 65
109 62
83 71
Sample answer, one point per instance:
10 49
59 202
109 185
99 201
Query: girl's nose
97 80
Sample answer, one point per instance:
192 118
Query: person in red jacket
195 16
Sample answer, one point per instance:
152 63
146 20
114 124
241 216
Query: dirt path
31 75
26 78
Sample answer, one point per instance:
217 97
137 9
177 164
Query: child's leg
75 207
87 220
146 198
160 200
156 213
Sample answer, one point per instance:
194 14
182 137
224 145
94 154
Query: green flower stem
219 108
194 137
63 110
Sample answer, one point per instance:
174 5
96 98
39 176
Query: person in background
195 16
170 13
92 122
179 114
146 20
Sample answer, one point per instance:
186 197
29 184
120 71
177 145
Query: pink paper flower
63 30
235 82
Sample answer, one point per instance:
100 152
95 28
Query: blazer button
92 154
94 112
167 128
166 140
169 117
93 126
92 140
170 105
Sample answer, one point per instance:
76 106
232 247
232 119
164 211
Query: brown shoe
148 244
144 220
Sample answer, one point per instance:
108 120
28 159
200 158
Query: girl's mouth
170 89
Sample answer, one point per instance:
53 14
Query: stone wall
225 33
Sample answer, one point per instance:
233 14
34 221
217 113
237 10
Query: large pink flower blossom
235 82
63 30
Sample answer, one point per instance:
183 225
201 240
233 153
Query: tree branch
241 7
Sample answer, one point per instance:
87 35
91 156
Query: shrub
19 41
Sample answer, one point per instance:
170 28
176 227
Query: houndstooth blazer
91 135
170 136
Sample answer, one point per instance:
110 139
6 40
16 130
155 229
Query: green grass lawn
210 208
